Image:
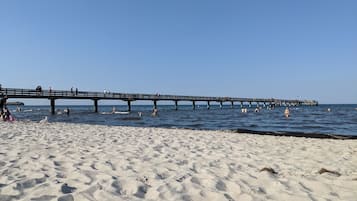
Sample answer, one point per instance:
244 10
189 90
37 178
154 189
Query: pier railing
63 94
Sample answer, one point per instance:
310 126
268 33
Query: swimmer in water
287 112
154 113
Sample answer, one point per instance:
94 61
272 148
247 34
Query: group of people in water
257 109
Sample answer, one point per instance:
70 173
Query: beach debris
183 177
93 166
143 179
269 169
67 189
162 175
323 170
110 164
228 197
43 121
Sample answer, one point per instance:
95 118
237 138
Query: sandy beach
61 161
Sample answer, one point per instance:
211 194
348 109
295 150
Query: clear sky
283 49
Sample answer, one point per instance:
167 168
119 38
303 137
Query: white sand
44 162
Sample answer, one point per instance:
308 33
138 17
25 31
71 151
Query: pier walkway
53 95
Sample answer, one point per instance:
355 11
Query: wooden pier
53 95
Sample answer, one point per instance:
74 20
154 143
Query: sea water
323 119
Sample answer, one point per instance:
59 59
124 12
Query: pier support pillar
155 104
221 104
95 105
232 104
52 106
193 105
129 106
208 105
176 105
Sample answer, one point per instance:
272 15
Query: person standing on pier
39 90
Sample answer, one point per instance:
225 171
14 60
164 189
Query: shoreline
244 131
64 161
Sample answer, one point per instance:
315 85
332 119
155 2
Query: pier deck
53 95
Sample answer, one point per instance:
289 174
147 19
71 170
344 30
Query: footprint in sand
67 189
220 185
43 198
117 186
68 197
142 190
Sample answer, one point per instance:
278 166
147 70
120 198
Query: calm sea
342 119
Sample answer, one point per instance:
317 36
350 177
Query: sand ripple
65 162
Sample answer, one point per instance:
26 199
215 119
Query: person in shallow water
66 111
287 112
154 112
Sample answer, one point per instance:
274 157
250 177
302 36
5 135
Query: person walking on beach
76 91
3 103
4 111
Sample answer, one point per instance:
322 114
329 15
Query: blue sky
282 49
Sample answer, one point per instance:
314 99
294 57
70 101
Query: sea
323 119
